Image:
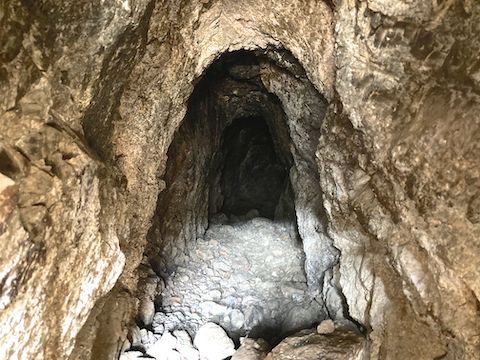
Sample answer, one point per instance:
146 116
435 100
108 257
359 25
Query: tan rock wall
399 173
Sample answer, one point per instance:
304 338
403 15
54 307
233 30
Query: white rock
326 327
210 308
148 338
213 342
237 319
184 346
131 355
171 355
163 347
214 295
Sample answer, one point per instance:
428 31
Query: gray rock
254 213
136 336
147 311
148 338
184 346
259 282
237 319
254 315
211 308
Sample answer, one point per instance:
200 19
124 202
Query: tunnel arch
268 91
153 104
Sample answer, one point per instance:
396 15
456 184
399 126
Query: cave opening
237 238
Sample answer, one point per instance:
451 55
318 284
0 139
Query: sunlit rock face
385 185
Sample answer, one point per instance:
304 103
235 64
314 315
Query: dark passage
225 240
252 176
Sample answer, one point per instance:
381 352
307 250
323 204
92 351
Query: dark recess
252 175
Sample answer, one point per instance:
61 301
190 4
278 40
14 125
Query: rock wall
400 175
94 92
59 236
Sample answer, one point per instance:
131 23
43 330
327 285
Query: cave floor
246 276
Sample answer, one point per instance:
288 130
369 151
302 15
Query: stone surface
167 346
148 288
399 172
248 277
163 346
251 349
94 91
184 346
148 338
308 345
326 327
60 240
8 198
213 342
131 355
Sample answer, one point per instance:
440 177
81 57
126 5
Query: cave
225 238
239 179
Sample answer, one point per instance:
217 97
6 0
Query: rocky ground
330 340
247 275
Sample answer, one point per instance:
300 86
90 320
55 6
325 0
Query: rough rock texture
400 173
326 327
213 343
247 277
60 244
93 92
308 345
251 349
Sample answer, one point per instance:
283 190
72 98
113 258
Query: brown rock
8 199
326 327
308 345
251 349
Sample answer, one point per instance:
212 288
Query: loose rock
213 342
326 327
308 345
184 346
131 355
165 345
251 349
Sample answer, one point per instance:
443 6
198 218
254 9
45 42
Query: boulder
251 349
308 345
213 342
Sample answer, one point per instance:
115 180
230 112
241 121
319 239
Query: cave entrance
250 177
237 238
